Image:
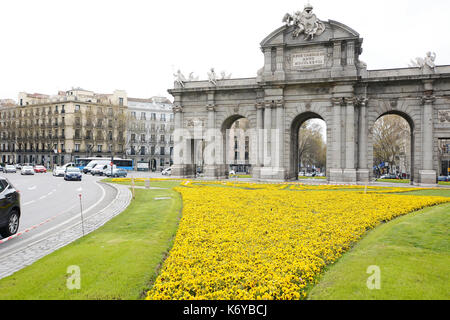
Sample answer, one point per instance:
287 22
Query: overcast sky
137 45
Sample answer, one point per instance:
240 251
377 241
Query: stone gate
312 70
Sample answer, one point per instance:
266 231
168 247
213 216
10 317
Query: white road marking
32 188
77 216
42 198
80 189
28 203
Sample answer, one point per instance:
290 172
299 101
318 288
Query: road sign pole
82 219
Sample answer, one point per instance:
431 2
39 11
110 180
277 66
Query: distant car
98 169
9 209
72 174
389 177
1 169
18 166
27 170
116 172
59 172
232 173
167 172
444 179
10 169
40 169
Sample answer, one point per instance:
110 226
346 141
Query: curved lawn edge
412 253
138 237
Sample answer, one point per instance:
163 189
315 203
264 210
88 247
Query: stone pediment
334 31
309 48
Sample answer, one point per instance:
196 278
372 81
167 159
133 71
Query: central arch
412 128
298 121
227 125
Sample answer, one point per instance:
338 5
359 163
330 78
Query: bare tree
391 140
312 147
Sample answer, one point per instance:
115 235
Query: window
163 117
143 116
163 151
163 138
77 108
133 115
120 101
133 137
153 116
142 151
99 148
171 117
152 151
110 135
110 148
77 147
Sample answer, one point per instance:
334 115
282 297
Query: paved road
50 204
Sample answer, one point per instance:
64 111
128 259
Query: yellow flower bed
267 243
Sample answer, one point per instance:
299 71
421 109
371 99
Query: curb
23 257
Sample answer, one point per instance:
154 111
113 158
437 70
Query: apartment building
53 130
150 130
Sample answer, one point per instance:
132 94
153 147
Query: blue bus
126 164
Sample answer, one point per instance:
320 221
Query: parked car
98 169
1 169
167 172
68 165
27 170
72 174
59 172
116 172
9 209
232 173
40 169
10 169
444 179
18 166
389 177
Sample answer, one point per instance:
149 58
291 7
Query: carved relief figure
444 116
305 22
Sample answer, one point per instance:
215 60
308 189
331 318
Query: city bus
126 164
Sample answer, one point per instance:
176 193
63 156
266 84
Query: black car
9 209
72 174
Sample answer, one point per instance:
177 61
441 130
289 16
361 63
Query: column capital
279 104
362 101
428 99
269 104
211 108
350 101
259 106
177 109
338 102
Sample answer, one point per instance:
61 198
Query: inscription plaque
308 59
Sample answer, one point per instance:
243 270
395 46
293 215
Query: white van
94 163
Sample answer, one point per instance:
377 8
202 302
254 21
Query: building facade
53 130
312 70
150 129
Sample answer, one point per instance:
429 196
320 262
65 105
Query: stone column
211 170
350 170
336 163
427 174
279 71
280 141
258 153
267 134
178 168
363 169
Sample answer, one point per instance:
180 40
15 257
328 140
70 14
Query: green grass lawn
405 181
118 261
443 183
412 253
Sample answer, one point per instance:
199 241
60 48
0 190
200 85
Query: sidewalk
24 257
